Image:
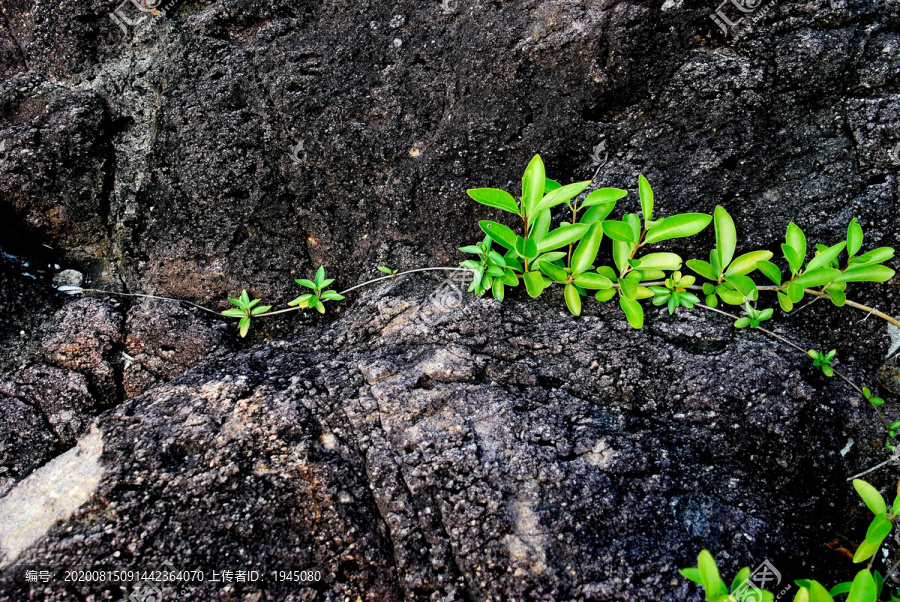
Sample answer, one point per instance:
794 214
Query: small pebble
68 278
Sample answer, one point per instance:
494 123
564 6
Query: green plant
244 310
706 574
881 525
867 585
674 294
823 361
753 317
316 299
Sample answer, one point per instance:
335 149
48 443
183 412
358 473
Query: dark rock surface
492 452
158 159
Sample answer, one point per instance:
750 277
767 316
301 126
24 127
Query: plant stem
200 307
367 283
268 313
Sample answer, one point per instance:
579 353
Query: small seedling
674 294
244 310
387 270
753 317
823 361
316 299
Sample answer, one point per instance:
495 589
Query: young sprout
319 294
753 317
244 310
823 361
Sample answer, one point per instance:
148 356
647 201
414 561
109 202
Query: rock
163 341
86 337
509 451
68 278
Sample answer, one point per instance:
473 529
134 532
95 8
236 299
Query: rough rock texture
492 452
243 143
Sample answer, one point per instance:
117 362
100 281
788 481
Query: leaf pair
493 272
244 310
881 524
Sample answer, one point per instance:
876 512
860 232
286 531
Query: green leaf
794 261
711 301
499 233
541 225
742 575
561 195
605 294
591 280
730 296
554 271
245 298
797 241
320 276
562 236
496 258
795 292
302 300
871 497
621 252
818 593
596 213
744 285
604 196
325 283
633 312
244 325
863 588
878 529
770 271
824 258
635 222
840 588
533 184
498 289
261 309
509 278
628 287
619 231
493 197
234 312
702 267
526 247
332 296
874 256
742 322
726 235
866 273
573 300
586 251
854 237
677 226
550 185
646 193
534 284
747 262
386 270
659 261
817 277
692 574
709 575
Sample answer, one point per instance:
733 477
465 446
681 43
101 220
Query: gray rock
508 452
